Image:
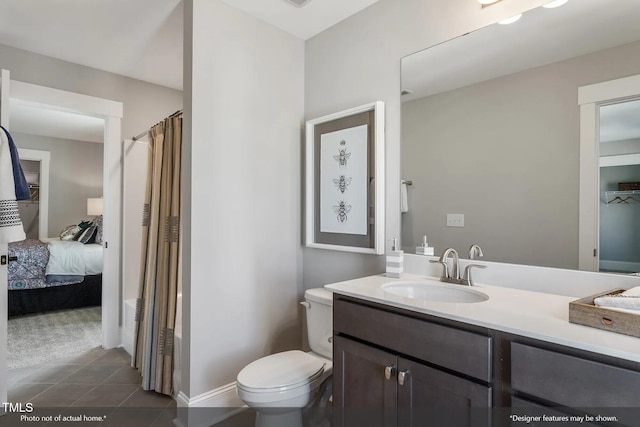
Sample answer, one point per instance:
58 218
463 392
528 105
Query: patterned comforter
28 271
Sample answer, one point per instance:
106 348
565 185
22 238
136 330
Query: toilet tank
319 304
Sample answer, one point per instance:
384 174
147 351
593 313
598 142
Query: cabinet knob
389 371
402 376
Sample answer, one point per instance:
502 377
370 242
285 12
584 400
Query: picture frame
345 180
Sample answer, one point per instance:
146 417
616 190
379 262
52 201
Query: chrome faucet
454 276
475 251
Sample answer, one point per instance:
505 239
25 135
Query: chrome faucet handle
475 251
445 268
466 278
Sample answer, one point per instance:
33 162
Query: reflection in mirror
491 130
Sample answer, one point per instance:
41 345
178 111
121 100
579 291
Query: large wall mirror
491 130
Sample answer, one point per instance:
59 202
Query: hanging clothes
156 304
19 181
11 229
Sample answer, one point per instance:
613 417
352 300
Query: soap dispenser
424 248
395 260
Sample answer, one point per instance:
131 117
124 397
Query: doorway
619 208
609 151
53 312
111 113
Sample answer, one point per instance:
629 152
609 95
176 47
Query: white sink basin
431 290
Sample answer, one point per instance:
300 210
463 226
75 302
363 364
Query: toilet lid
280 370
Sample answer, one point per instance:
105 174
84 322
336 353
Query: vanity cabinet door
431 397
364 385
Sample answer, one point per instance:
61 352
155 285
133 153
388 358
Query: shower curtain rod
143 134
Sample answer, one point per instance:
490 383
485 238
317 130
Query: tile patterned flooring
96 383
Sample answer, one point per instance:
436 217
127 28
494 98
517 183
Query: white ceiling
303 22
542 36
141 39
134 38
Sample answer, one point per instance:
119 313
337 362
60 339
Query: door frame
590 98
111 112
43 157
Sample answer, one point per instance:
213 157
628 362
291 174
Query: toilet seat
281 372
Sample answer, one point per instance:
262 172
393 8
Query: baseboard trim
224 397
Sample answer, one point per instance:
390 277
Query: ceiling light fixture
298 3
510 20
485 2
554 3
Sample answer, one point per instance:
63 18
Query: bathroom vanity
409 362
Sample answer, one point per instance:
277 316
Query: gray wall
506 154
358 61
145 104
75 174
241 214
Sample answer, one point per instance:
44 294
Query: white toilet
279 386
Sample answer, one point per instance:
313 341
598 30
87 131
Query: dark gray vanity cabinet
555 378
392 369
399 368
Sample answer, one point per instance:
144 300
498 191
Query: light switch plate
455 220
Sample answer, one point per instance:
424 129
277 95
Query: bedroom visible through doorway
55 283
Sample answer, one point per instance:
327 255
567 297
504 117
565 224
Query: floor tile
61 395
91 374
25 392
165 419
116 356
96 383
246 418
147 399
80 417
125 375
106 396
80 358
15 375
52 374
132 417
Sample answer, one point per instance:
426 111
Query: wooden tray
585 312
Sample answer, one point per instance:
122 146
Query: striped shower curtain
156 304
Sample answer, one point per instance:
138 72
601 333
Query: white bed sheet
73 258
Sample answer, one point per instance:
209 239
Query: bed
53 275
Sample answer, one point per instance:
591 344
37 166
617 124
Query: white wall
241 193
75 174
357 61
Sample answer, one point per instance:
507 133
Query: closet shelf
620 197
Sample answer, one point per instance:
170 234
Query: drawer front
461 351
572 381
524 412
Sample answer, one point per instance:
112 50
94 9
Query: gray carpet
41 338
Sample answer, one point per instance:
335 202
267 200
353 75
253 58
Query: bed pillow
88 235
70 232
98 223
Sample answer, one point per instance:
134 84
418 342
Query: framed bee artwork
345 180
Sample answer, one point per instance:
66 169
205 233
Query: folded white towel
629 300
404 199
11 229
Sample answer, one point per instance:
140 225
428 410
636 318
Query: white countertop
531 314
